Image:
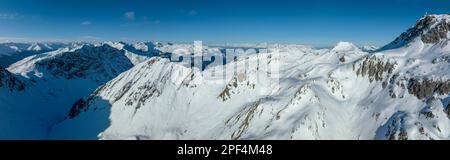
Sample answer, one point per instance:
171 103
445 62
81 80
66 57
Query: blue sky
318 22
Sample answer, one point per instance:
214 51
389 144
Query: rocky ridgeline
437 33
82 105
135 99
232 88
9 81
431 29
425 88
88 60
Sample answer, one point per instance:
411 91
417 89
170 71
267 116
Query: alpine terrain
115 90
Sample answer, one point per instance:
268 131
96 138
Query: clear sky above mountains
318 22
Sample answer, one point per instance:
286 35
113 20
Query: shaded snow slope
53 81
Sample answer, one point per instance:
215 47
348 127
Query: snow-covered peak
369 48
34 47
430 29
15 48
141 46
345 47
117 45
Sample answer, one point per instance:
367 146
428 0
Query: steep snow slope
400 92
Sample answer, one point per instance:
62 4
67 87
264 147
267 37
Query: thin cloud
90 38
86 23
9 16
29 39
130 15
193 12
13 39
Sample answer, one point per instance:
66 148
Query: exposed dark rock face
430 28
225 94
374 68
77 107
426 88
10 81
96 60
342 59
447 110
142 94
122 91
441 59
437 33
236 82
83 105
428 114
417 30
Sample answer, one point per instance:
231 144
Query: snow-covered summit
369 48
344 47
34 47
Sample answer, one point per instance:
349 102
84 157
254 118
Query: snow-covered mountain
115 90
12 52
400 92
369 48
429 29
51 82
137 52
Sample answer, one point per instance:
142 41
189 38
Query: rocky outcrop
9 81
82 105
239 80
437 33
430 29
441 59
374 68
342 59
417 30
143 93
243 120
77 107
394 128
447 110
426 88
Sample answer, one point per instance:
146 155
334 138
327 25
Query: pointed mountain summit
429 29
